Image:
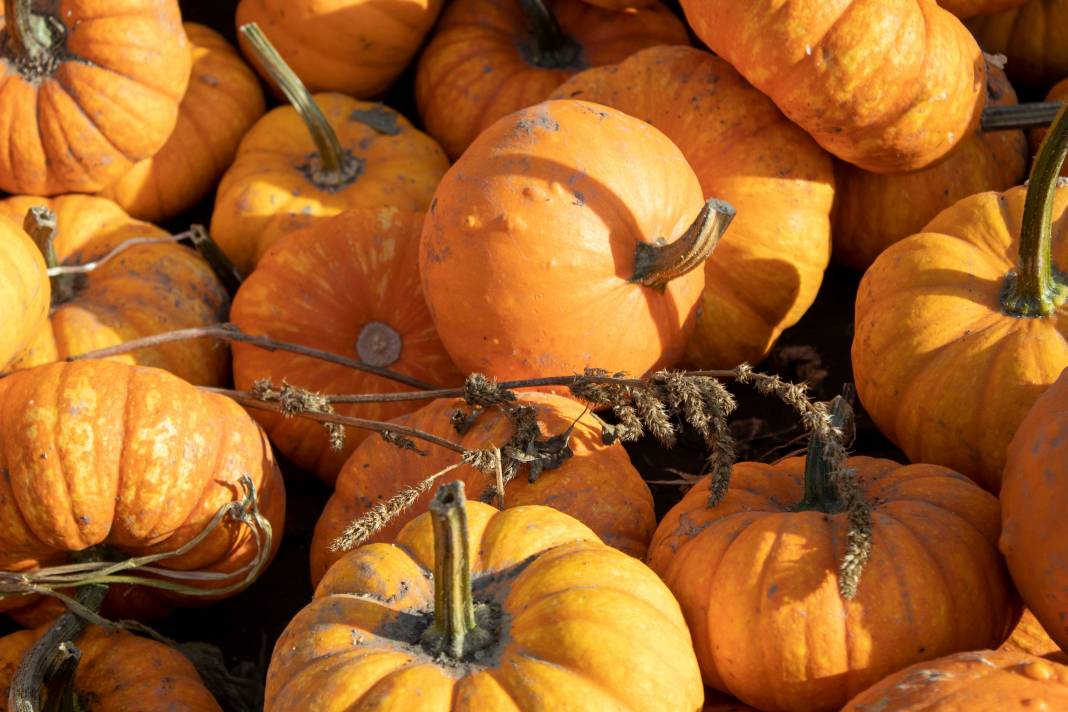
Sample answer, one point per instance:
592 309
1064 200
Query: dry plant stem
1019 116
40 224
656 265
499 470
88 267
218 261
29 34
62 694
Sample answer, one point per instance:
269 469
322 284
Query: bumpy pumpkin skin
98 452
758 583
769 264
352 277
888 86
965 9
1034 537
119 671
875 210
1031 37
578 186
981 681
111 100
1059 92
1031 638
146 289
268 192
930 327
24 290
222 101
573 609
597 485
477 68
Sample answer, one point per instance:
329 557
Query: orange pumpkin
1029 35
1030 637
1034 537
981 681
304 163
348 285
945 310
221 103
588 192
1059 92
24 290
620 5
145 289
970 8
769 265
597 484
356 47
874 210
88 90
489 58
888 86
527 611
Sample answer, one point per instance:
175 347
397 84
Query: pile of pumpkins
589 189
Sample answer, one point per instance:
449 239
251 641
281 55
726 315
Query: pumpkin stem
656 264
455 632
550 47
30 38
1019 116
1037 288
40 224
334 166
821 491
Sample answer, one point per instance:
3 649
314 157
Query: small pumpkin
1034 537
307 162
89 89
1030 637
1029 36
488 58
24 290
143 290
875 210
1059 92
769 265
222 101
965 9
595 483
888 86
347 285
356 47
980 681
527 611
591 194
944 310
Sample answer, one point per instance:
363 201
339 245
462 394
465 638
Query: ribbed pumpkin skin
930 327
24 290
981 681
758 583
889 85
1034 536
769 264
597 485
1030 36
1059 92
112 100
1031 638
267 192
875 210
578 186
573 609
965 9
321 287
222 101
475 69
98 452
355 47
119 671
146 289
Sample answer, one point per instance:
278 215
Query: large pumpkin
1030 37
769 265
875 210
888 85
597 484
24 290
89 88
348 285
568 203
222 101
970 8
1034 535
489 58
356 47
144 290
947 310
527 611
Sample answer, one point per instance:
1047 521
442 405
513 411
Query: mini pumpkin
965 9
527 611
489 58
1059 92
1028 36
88 90
888 86
1030 637
592 195
348 285
593 482
222 101
24 290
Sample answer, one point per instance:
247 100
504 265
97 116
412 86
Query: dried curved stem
40 224
656 265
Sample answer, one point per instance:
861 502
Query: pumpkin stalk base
31 39
656 264
40 225
549 47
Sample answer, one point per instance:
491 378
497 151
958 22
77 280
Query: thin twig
88 267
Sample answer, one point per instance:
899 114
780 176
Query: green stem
40 224
30 36
1036 288
551 47
657 264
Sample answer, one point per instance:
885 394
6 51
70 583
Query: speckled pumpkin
1031 638
348 285
24 290
1030 37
